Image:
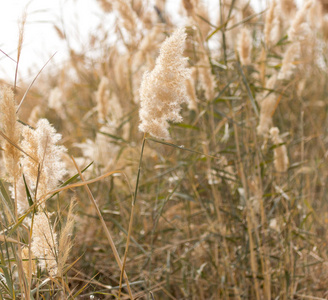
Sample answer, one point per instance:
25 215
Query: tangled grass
229 202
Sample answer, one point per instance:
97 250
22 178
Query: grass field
174 161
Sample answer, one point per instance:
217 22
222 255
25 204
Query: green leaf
115 137
6 199
28 194
8 284
188 126
68 181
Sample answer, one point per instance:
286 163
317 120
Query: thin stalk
224 45
29 87
131 215
182 148
8 56
20 45
248 219
264 226
19 251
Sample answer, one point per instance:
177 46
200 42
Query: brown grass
220 210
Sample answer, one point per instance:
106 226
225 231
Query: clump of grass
225 204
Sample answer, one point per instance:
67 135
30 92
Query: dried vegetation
223 193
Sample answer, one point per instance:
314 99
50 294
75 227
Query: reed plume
277 25
65 241
148 44
20 44
12 129
267 106
102 97
299 28
188 6
269 21
290 55
244 46
128 16
325 29
271 82
44 243
21 196
280 151
163 89
190 85
115 110
200 17
288 8
102 151
106 5
55 99
48 169
26 254
206 77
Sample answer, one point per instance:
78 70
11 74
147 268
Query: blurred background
46 20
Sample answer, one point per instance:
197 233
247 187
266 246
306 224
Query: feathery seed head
44 243
65 242
26 254
287 67
190 84
280 153
163 89
288 7
41 143
271 82
207 80
299 28
55 99
244 46
12 129
315 15
267 106
128 15
269 21
102 97
106 5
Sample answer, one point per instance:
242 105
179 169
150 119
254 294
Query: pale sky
40 38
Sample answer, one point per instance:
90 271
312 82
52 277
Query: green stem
131 216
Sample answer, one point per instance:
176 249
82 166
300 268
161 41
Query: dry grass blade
20 44
8 56
182 148
44 197
246 20
83 287
16 146
3 238
31 84
218 29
